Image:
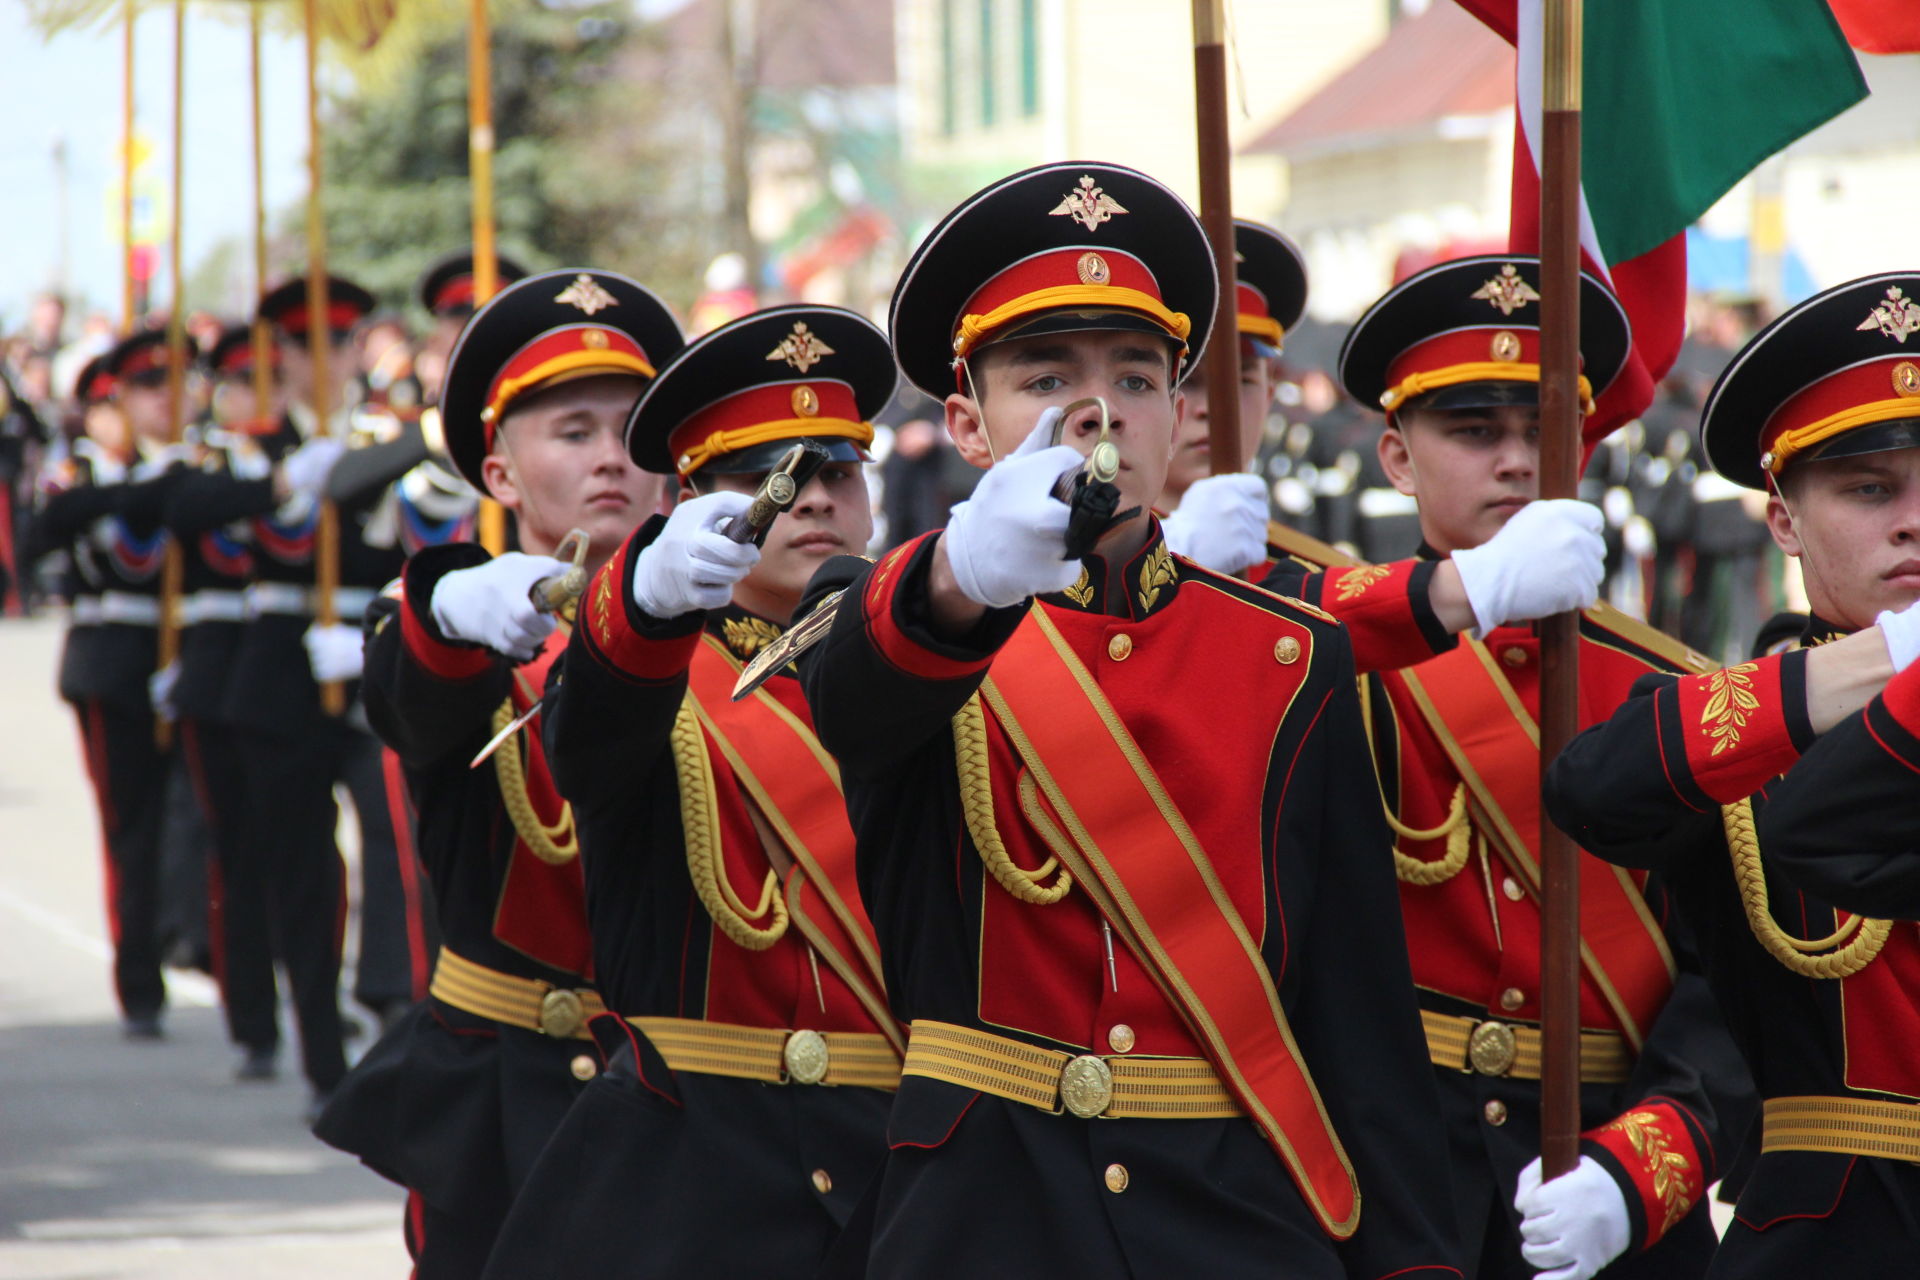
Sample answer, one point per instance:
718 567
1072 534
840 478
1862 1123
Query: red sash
1494 744
782 767
1134 853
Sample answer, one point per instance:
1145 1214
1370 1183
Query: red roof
1439 64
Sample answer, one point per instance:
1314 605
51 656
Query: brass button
562 1013
1121 1038
822 1182
1514 656
1287 651
1495 1111
1512 889
1512 998
584 1068
1116 1178
1120 647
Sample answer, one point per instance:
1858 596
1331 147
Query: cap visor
1478 395
764 457
1876 437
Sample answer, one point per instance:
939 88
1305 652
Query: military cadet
1110 811
116 548
1220 521
744 1109
215 564
291 750
1822 412
446 293
458 1098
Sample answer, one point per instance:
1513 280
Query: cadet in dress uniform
215 565
110 529
1822 410
1118 842
457 1100
743 1111
446 293
1220 521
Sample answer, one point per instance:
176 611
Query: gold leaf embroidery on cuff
1730 701
1671 1171
1356 581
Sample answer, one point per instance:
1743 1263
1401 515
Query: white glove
1901 631
1008 541
161 460
692 565
1221 523
1575 1224
160 689
489 605
335 652
1547 559
305 469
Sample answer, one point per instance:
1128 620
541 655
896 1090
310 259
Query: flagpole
1560 634
486 277
126 173
1222 357
173 568
261 339
326 538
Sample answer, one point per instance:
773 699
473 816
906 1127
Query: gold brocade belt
1494 1048
560 1012
1841 1126
1088 1085
773 1055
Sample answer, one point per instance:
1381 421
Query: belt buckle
562 1013
1086 1085
805 1057
1492 1048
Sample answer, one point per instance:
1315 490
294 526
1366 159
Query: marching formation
1110 882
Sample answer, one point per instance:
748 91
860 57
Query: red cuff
1901 698
447 661
1376 602
1735 727
1653 1144
606 614
883 624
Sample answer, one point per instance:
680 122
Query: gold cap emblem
1897 317
594 338
1507 291
802 348
1087 205
1906 378
1093 269
586 293
1506 346
805 402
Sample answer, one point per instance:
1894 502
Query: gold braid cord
976 802
554 845
1857 941
1458 831
700 822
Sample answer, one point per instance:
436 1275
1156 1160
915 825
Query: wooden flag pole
486 276
1216 214
326 540
261 338
126 174
173 568
1560 634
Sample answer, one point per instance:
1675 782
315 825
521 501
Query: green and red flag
1681 101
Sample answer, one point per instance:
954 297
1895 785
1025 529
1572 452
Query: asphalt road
136 1161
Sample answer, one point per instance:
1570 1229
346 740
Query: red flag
1879 26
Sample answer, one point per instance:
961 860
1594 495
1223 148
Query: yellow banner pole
326 543
486 278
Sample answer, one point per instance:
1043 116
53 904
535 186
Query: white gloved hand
1901 631
161 460
1221 523
1575 1224
692 565
1007 541
305 470
489 605
336 652
160 689
1547 559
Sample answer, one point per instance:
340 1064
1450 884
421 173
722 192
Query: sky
69 89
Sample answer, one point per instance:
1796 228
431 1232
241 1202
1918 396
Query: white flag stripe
1529 90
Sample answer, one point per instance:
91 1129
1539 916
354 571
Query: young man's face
559 463
296 365
1470 469
1855 525
833 516
1192 452
144 402
1016 380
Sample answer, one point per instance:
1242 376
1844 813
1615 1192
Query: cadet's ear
1396 460
1780 525
968 427
501 484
